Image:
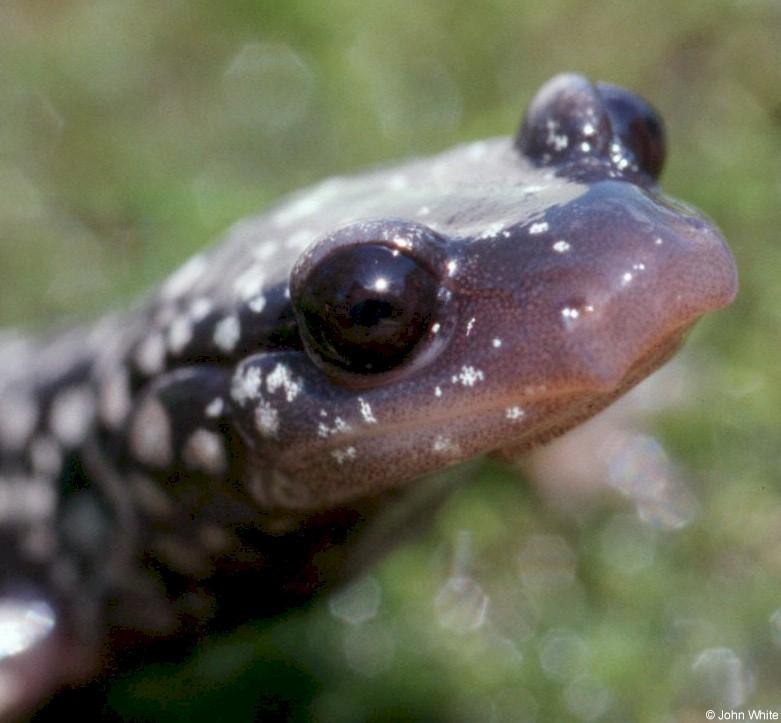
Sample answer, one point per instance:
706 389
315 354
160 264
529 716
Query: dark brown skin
220 453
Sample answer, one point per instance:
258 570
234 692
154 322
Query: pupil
371 312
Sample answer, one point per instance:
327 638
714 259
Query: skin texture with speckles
196 462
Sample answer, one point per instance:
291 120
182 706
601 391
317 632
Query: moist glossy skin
202 460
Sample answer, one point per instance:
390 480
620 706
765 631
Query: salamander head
505 292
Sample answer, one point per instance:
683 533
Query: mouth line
431 425
584 401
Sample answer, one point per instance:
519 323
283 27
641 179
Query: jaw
569 411
355 461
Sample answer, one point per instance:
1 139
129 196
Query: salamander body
216 453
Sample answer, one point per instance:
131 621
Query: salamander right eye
582 127
365 307
637 126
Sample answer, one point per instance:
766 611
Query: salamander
218 452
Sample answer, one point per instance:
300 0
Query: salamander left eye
636 125
365 307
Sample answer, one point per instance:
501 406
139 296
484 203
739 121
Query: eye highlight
365 307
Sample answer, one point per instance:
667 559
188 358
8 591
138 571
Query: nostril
574 311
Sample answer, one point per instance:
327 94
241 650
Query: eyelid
416 240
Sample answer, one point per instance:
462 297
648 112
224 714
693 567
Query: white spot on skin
215 408
257 304
452 267
185 278
339 427
18 417
496 343
250 283
246 385
204 450
558 141
537 228
492 231
470 325
281 377
561 246
533 189
71 415
569 313
535 389
435 327
150 434
165 314
618 158
227 333
200 308
437 391
27 499
366 411
24 624
180 334
17 352
115 398
658 241
266 419
150 355
348 454
402 242
468 376
443 445
514 413
45 455
626 278
265 251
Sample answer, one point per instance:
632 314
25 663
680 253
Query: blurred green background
133 132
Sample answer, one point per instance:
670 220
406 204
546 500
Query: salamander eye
365 307
565 122
637 126
584 127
